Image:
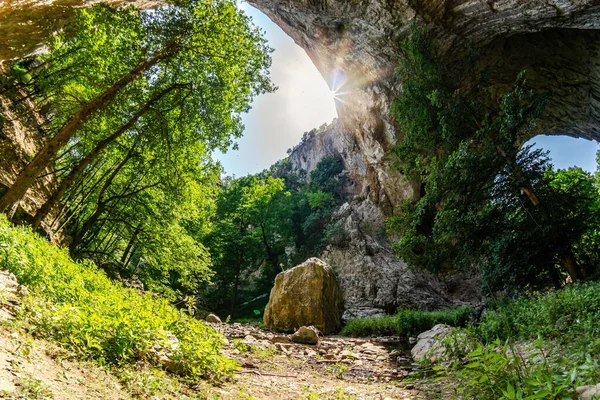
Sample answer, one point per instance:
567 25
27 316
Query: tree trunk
87 225
569 263
87 160
26 178
125 258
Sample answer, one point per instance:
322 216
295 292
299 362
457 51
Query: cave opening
567 151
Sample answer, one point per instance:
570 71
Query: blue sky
304 101
566 151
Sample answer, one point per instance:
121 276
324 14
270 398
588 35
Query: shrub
80 307
407 322
563 327
566 314
501 371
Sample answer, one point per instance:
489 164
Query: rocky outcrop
307 294
26 24
354 44
371 277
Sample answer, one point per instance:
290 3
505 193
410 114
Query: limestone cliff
354 46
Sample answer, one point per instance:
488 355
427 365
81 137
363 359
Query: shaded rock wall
26 24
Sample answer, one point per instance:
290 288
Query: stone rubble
359 358
11 293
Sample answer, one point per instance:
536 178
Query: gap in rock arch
278 120
567 151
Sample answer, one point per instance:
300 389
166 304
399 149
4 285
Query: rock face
307 294
354 44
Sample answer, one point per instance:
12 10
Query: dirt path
336 368
273 367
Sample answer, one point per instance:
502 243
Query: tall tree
114 62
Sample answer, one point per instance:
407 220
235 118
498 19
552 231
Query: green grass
407 323
567 314
78 306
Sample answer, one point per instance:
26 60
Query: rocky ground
273 367
336 368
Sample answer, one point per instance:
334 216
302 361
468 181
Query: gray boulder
306 335
430 344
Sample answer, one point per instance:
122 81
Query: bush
407 322
541 346
503 371
566 314
77 305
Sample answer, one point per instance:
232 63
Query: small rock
212 318
588 392
163 350
306 335
282 348
280 339
310 353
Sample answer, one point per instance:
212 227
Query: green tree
483 201
246 237
202 60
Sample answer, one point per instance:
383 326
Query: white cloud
278 120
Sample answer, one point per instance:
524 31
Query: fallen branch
266 374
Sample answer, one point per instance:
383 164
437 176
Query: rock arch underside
557 41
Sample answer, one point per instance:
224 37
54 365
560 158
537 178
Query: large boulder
307 294
442 343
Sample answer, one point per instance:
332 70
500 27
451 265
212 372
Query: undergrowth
572 313
407 322
542 346
77 305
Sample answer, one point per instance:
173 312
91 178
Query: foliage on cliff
485 201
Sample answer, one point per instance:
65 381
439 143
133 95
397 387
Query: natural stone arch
564 62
